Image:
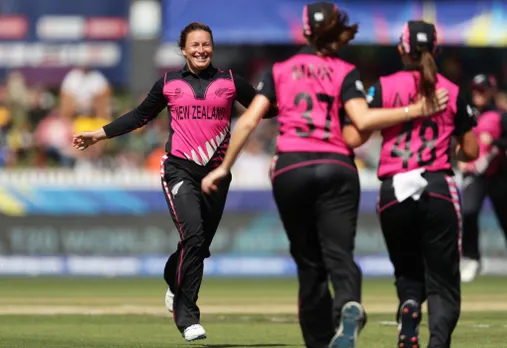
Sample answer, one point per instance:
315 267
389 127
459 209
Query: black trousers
475 190
317 196
196 217
422 239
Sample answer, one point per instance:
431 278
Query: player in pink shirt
486 176
419 206
199 100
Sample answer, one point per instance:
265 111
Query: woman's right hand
83 140
210 182
430 107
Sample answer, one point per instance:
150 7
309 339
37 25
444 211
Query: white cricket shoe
194 332
169 300
469 269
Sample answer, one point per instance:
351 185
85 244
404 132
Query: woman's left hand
86 139
210 182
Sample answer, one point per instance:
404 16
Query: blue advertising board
24 200
45 38
64 230
470 23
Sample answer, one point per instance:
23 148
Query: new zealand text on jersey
198 112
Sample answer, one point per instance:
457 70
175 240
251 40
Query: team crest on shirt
221 92
178 93
472 112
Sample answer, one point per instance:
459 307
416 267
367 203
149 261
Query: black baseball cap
317 15
483 82
419 34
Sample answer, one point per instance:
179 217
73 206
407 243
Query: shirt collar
308 50
209 71
411 67
312 51
489 107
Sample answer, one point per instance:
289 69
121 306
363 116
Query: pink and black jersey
200 108
492 123
501 143
310 91
424 142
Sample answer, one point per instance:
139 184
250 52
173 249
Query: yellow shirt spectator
88 123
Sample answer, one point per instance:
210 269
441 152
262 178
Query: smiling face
198 50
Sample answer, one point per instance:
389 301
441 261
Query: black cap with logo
483 82
317 16
417 35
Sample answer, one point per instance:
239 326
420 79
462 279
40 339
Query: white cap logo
318 16
422 37
479 78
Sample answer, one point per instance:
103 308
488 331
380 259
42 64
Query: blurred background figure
501 100
7 158
85 99
486 176
85 91
52 137
252 167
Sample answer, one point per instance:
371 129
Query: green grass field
128 313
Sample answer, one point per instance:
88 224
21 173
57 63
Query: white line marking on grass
283 320
481 326
388 323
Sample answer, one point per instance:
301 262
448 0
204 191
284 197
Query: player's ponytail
348 34
428 71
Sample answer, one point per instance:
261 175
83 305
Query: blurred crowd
36 124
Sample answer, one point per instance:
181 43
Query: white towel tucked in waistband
409 184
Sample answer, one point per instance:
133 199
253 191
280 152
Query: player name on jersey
398 100
309 71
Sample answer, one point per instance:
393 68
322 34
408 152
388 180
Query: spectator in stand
7 157
85 91
253 164
41 102
52 137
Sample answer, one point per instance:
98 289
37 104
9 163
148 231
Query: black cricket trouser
317 196
475 190
422 239
196 217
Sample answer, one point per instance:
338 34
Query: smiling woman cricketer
199 99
